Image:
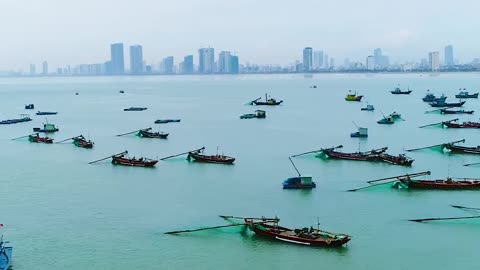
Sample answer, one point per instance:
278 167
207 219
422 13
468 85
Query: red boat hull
350 156
464 125
463 149
444 185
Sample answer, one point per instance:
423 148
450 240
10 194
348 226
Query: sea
60 212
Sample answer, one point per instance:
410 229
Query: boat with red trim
146 133
37 139
371 155
452 124
462 149
123 159
401 159
442 184
200 157
81 142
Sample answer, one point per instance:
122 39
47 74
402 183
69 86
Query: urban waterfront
59 212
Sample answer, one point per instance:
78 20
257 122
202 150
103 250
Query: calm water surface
62 213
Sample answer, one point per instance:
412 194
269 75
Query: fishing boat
29 107
199 157
398 91
401 159
146 133
37 139
6 254
361 133
465 94
121 92
81 142
298 182
257 114
24 118
442 184
46 113
395 116
462 149
122 159
47 128
429 97
368 108
445 104
361 156
135 109
386 121
452 124
165 121
447 111
353 97
268 101
306 236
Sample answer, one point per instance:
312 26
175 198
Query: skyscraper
317 59
187 66
224 62
307 59
136 59
206 60
381 61
234 66
44 68
434 61
33 71
116 58
167 65
449 56
370 63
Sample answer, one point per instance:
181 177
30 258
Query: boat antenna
290 158
318 223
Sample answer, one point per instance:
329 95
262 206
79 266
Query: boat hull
444 185
463 149
268 103
467 96
6 254
401 92
133 163
212 159
463 125
442 104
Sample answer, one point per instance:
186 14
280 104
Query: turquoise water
62 213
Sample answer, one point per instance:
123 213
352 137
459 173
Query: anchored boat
371 155
6 253
398 91
432 98
361 133
46 113
445 104
146 133
447 111
268 101
465 94
47 128
452 124
122 159
299 182
200 157
25 118
257 114
37 139
353 97
29 107
135 109
165 121
81 142
368 108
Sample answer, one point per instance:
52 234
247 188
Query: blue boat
298 182
45 113
135 109
29 107
25 118
5 254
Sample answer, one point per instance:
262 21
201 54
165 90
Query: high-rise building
206 60
381 61
33 71
434 61
187 66
224 62
317 60
117 59
449 56
307 59
325 61
370 63
234 66
167 65
44 68
136 59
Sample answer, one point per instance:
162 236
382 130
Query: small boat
268 101
313 86
309 237
401 159
445 104
432 98
462 149
353 97
135 109
452 124
386 121
257 114
398 91
121 92
29 107
395 116
122 159
369 108
25 118
165 121
81 142
47 128
446 111
360 156
361 133
146 133
6 255
37 139
299 182
46 113
442 184
465 94
199 157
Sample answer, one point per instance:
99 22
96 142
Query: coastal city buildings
117 64
449 56
136 59
434 61
307 59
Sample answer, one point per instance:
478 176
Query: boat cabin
299 182
260 114
361 133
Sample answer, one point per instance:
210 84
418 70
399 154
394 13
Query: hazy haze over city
68 32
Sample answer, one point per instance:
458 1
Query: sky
260 31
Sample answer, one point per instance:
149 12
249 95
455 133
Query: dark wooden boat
361 156
397 160
80 141
164 121
199 157
432 98
37 139
447 184
398 91
465 94
306 236
440 104
25 118
386 121
146 133
452 124
135 109
46 113
462 149
446 111
122 159
268 101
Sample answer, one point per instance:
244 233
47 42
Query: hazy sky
261 31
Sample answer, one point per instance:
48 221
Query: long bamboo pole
421 148
437 219
182 153
357 189
316 151
133 131
124 152
207 228
405 175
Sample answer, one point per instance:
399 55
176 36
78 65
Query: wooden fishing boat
447 111
37 139
135 109
6 255
29 107
121 91
199 157
81 142
47 128
146 133
361 156
299 182
401 159
46 113
398 91
465 94
463 149
165 121
395 116
361 133
386 121
122 159
452 124
25 118
268 101
353 97
439 104
306 236
257 114
432 98
443 184
368 108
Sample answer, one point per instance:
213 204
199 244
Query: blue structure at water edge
5 255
